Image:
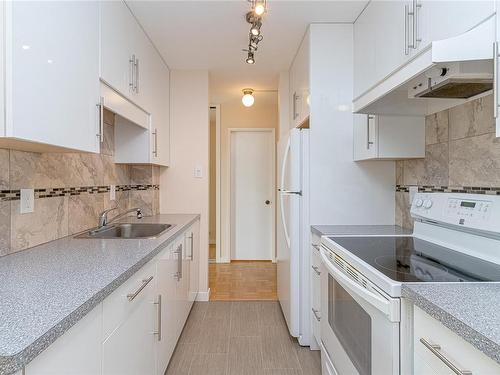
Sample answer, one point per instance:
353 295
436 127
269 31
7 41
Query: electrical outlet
413 191
198 172
27 201
112 192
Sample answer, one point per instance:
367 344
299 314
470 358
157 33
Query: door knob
268 201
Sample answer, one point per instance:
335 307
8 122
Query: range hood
444 74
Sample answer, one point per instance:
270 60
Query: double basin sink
127 231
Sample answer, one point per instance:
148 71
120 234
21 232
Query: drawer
316 294
117 306
449 346
327 367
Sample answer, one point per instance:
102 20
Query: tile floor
240 338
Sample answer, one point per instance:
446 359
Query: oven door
359 324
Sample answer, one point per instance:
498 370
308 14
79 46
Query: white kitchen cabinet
77 352
439 20
299 85
388 137
316 292
131 348
433 340
51 71
383 44
193 245
122 41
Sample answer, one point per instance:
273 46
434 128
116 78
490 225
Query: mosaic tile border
451 189
14 195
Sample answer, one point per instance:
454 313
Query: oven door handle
386 306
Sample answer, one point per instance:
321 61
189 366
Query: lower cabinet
134 331
438 350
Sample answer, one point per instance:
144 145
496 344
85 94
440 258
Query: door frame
229 222
218 256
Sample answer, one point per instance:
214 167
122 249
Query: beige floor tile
278 350
310 360
245 356
281 372
244 319
214 336
181 360
209 364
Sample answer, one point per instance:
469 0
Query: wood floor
239 281
240 338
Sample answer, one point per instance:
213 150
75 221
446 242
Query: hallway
243 280
240 338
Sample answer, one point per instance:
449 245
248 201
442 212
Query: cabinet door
364 50
166 287
389 31
365 137
299 84
130 350
160 118
444 19
193 241
52 70
76 352
119 37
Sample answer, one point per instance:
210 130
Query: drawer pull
158 316
316 314
145 282
316 247
436 350
316 269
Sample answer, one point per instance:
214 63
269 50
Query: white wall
263 114
342 191
189 147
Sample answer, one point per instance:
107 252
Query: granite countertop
471 310
47 289
365 230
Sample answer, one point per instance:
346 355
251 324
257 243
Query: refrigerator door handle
282 192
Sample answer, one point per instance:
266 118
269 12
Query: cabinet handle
131 82
368 142
436 350
155 150
145 282
178 274
158 317
136 65
495 79
316 269
316 314
316 247
100 108
191 239
414 16
407 48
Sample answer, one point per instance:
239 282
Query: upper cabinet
51 72
390 33
299 85
140 87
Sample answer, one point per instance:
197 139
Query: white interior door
252 194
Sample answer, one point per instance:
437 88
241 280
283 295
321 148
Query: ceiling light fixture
259 7
248 98
254 18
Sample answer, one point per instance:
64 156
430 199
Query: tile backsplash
71 189
462 154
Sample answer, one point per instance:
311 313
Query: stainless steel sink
127 230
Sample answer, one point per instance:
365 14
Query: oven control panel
473 211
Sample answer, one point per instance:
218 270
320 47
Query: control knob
419 202
427 203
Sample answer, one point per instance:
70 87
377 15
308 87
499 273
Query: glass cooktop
409 259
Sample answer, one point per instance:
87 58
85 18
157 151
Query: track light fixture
254 18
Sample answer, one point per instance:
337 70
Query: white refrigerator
293 235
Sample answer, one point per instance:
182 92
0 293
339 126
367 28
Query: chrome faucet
103 217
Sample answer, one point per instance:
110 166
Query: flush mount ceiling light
254 18
248 98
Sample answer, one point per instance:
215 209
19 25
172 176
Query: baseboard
212 261
203 296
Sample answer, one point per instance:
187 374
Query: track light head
255 30
250 59
259 7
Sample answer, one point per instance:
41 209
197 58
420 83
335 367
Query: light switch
198 172
27 204
112 192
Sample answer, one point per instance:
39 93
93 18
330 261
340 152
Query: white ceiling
211 35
